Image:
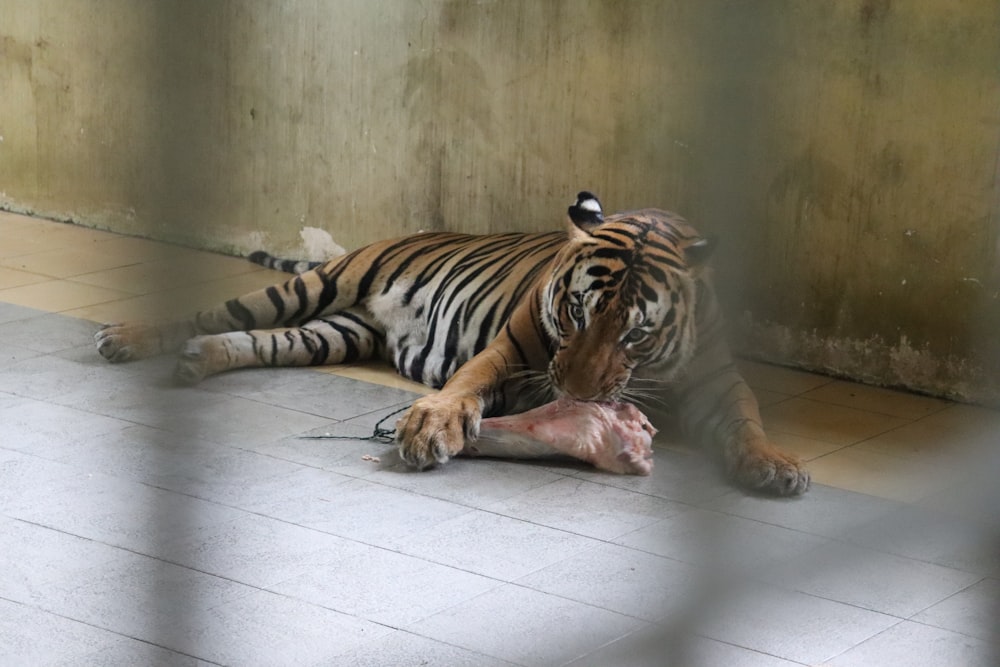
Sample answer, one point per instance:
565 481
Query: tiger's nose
583 392
582 382
587 398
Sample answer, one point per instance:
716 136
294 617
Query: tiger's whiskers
536 385
647 397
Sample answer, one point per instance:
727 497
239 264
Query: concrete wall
845 152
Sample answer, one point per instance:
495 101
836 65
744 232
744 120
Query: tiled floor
148 524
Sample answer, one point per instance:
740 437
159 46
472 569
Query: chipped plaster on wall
873 360
318 245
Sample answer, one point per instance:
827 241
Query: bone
615 437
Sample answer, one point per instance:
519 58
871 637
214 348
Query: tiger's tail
268 260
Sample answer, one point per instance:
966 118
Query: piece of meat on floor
615 437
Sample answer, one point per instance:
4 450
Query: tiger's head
620 296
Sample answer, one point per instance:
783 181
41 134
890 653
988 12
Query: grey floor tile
871 579
48 333
472 482
360 510
141 400
790 625
352 457
683 474
585 508
178 463
974 611
824 510
653 647
346 447
555 631
10 312
709 653
115 511
9 400
242 422
37 375
156 370
916 645
51 431
140 597
384 586
189 411
975 495
30 636
22 473
12 354
646 647
936 537
264 628
49 376
347 547
299 491
493 545
128 652
246 381
259 551
329 571
383 417
404 649
35 556
620 579
721 543
305 390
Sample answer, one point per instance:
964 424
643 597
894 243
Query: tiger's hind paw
773 473
193 366
127 342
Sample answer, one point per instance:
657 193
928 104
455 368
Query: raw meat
611 436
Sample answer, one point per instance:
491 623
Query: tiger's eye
635 335
576 312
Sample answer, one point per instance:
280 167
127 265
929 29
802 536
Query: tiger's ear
697 253
585 214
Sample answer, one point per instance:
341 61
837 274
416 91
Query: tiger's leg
300 299
438 426
718 408
348 336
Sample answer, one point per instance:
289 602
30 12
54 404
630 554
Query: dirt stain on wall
845 153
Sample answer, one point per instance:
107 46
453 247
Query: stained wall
844 153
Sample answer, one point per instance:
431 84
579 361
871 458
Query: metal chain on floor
379 434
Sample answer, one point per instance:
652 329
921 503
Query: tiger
617 307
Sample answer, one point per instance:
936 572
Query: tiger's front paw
436 428
767 469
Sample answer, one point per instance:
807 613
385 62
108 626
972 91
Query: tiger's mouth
608 391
